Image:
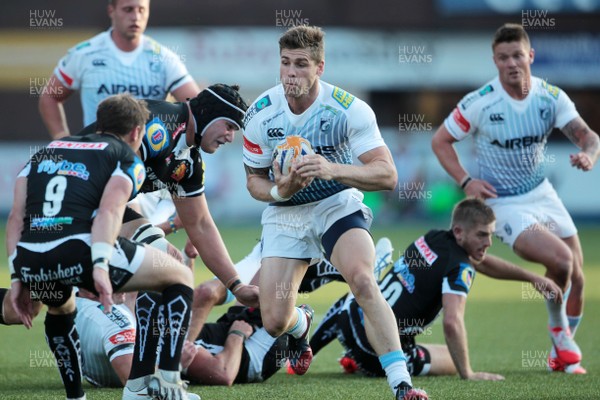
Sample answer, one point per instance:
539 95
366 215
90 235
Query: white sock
394 365
301 324
557 313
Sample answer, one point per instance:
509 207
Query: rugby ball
290 150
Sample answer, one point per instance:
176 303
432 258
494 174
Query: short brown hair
120 114
472 211
510 33
304 37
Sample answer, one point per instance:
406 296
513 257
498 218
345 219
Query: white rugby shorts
540 207
296 231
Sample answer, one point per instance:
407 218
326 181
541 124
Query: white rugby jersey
338 125
103 337
98 69
511 135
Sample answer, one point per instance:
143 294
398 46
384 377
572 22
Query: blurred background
411 61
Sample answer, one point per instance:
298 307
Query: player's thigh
555 254
132 220
280 279
157 271
353 255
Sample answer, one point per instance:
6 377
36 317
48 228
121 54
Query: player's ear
320 67
531 55
458 231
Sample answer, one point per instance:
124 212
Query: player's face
475 240
129 17
216 135
513 60
299 72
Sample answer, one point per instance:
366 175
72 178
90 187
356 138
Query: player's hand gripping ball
290 150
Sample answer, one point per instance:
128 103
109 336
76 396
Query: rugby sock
299 328
574 323
394 365
177 301
557 314
63 339
146 335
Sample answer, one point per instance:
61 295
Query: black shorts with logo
49 270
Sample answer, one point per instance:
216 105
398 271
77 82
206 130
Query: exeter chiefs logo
157 136
139 175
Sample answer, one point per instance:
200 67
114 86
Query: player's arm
202 231
498 268
186 91
456 337
586 139
51 107
442 145
105 228
122 366
222 368
22 305
378 171
207 295
15 224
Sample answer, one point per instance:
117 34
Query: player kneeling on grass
435 273
62 232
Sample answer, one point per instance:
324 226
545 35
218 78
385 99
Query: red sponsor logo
462 123
126 336
179 129
66 77
429 255
252 147
60 144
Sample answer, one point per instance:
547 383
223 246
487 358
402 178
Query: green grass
507 335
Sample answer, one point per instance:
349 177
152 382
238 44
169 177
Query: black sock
63 339
146 334
177 302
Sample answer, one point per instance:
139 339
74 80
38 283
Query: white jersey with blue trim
99 69
338 125
103 338
511 135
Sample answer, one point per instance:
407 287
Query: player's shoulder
150 45
545 89
341 100
92 45
265 104
481 96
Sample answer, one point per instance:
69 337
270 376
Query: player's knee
363 286
563 266
275 325
207 293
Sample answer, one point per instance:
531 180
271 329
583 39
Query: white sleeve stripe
446 289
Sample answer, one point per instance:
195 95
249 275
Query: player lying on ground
63 232
434 273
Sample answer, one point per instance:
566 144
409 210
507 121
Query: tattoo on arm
256 171
577 131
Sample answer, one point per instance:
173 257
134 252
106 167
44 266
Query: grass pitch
506 323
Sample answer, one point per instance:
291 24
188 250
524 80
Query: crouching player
62 232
